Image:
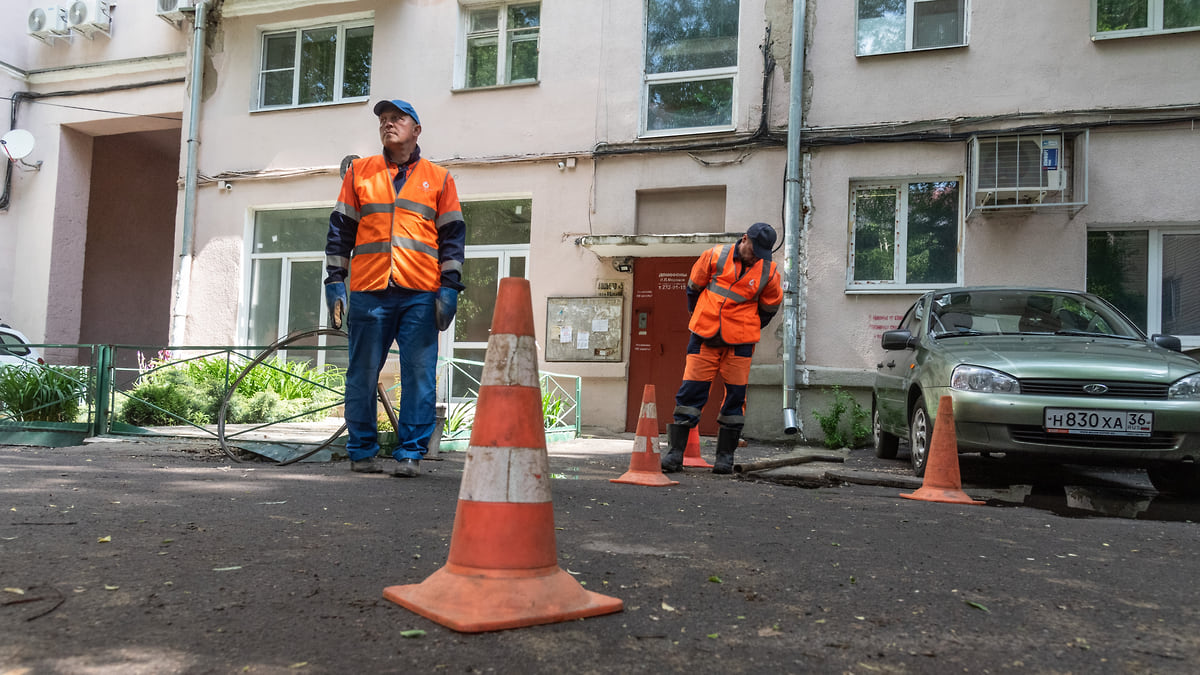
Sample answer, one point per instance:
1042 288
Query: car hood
1070 357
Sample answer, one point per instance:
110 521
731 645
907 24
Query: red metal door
659 342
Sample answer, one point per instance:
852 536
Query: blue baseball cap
762 236
403 106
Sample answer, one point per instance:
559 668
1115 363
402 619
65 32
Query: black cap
762 236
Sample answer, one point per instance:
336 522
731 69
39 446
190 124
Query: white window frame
342 24
1154 271
899 283
908 29
1154 19
651 79
246 293
503 61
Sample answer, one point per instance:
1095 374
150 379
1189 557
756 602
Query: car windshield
11 345
1026 312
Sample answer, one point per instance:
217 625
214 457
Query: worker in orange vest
733 291
399 219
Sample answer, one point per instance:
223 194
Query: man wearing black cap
399 219
733 291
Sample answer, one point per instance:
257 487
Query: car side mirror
1168 341
898 339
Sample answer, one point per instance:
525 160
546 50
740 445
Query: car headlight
1187 388
983 380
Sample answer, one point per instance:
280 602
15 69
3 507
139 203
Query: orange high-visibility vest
397 235
728 305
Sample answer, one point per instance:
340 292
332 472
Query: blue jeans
376 319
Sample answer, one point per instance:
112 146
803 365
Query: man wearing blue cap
399 220
733 291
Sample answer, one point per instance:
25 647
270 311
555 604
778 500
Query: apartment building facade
191 151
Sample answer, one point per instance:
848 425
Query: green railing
231 394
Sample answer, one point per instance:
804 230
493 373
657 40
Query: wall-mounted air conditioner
47 24
172 10
1017 170
89 17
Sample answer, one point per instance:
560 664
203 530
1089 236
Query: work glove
445 307
337 302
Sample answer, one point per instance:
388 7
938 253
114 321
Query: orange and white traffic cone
645 464
502 570
942 483
691 454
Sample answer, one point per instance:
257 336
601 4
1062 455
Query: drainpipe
184 274
792 291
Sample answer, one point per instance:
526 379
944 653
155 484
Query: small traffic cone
942 480
645 464
691 454
502 570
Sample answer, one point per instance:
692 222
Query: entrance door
659 342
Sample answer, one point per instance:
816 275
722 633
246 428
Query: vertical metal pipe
792 230
183 275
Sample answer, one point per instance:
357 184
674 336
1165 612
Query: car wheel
1176 478
920 429
886 444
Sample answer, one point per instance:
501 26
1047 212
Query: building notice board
584 328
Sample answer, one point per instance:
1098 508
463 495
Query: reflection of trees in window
502 45
503 221
684 35
1116 271
1121 14
932 232
300 67
874 235
1181 13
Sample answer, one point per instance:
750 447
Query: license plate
1098 422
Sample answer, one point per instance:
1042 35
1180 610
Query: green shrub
837 435
42 394
192 391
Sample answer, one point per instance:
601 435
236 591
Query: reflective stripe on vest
727 293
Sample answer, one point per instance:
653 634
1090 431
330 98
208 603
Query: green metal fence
229 394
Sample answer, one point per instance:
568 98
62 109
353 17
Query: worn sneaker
368 465
407 468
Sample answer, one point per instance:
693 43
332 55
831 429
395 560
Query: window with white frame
497 247
1130 18
286 276
315 65
691 65
500 44
889 26
1152 274
905 234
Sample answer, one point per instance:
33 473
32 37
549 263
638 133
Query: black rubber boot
677 438
727 442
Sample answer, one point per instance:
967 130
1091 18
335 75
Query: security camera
226 185
562 165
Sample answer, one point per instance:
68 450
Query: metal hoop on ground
265 355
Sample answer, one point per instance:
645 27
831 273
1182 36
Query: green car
1043 374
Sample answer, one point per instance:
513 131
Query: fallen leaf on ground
667 608
18 591
415 633
104 540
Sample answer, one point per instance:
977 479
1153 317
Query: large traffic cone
645 464
502 570
691 454
943 482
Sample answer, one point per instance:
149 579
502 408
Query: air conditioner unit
1017 170
172 10
89 16
48 23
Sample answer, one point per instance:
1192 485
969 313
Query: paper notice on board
564 335
599 325
581 339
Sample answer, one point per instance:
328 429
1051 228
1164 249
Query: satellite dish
17 143
346 164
